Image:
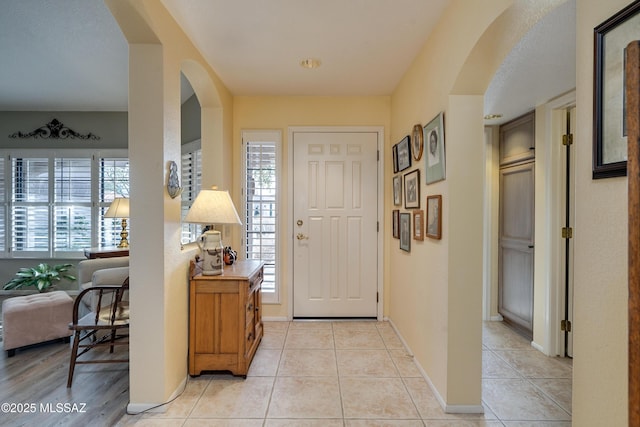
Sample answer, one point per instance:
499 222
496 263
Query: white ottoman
35 318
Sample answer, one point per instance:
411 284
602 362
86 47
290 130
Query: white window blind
3 206
50 200
72 204
113 181
191 181
261 205
30 205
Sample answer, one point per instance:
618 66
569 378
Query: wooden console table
225 318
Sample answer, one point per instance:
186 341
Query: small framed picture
417 142
434 217
405 231
394 151
404 154
418 225
434 142
396 223
397 190
412 190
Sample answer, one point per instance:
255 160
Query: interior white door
335 224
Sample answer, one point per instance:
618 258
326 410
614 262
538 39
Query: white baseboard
137 408
449 409
538 347
275 319
464 409
496 318
404 343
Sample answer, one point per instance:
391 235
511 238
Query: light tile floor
359 374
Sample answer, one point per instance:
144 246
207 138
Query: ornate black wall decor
54 130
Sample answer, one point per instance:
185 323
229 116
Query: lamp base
212 253
212 273
124 243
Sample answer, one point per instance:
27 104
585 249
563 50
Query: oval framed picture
417 142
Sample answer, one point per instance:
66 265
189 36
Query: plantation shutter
72 204
113 181
191 185
30 205
3 206
261 208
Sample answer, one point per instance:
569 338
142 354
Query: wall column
146 155
464 213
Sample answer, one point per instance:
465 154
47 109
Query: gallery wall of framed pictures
421 152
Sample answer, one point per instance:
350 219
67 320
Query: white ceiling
70 54
255 46
540 67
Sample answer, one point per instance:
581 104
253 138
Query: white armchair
101 272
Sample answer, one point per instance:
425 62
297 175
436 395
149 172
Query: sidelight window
261 210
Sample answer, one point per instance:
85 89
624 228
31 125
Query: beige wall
439 313
600 346
436 290
283 112
433 294
158 52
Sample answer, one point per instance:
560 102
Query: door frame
548 271
379 130
552 341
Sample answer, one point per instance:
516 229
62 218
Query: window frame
274 137
95 205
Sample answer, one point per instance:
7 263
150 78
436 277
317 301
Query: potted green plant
43 277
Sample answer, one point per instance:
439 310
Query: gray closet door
516 251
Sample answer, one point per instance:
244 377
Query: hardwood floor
35 380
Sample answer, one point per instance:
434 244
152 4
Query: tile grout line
275 377
528 380
335 355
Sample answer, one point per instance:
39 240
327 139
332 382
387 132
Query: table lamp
212 207
119 208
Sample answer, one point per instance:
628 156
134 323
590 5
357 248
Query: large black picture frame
609 135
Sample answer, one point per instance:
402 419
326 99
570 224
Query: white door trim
553 342
550 248
490 238
380 211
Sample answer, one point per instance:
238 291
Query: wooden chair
106 325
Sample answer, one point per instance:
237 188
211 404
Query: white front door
335 224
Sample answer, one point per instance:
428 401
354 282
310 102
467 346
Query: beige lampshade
119 208
213 207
